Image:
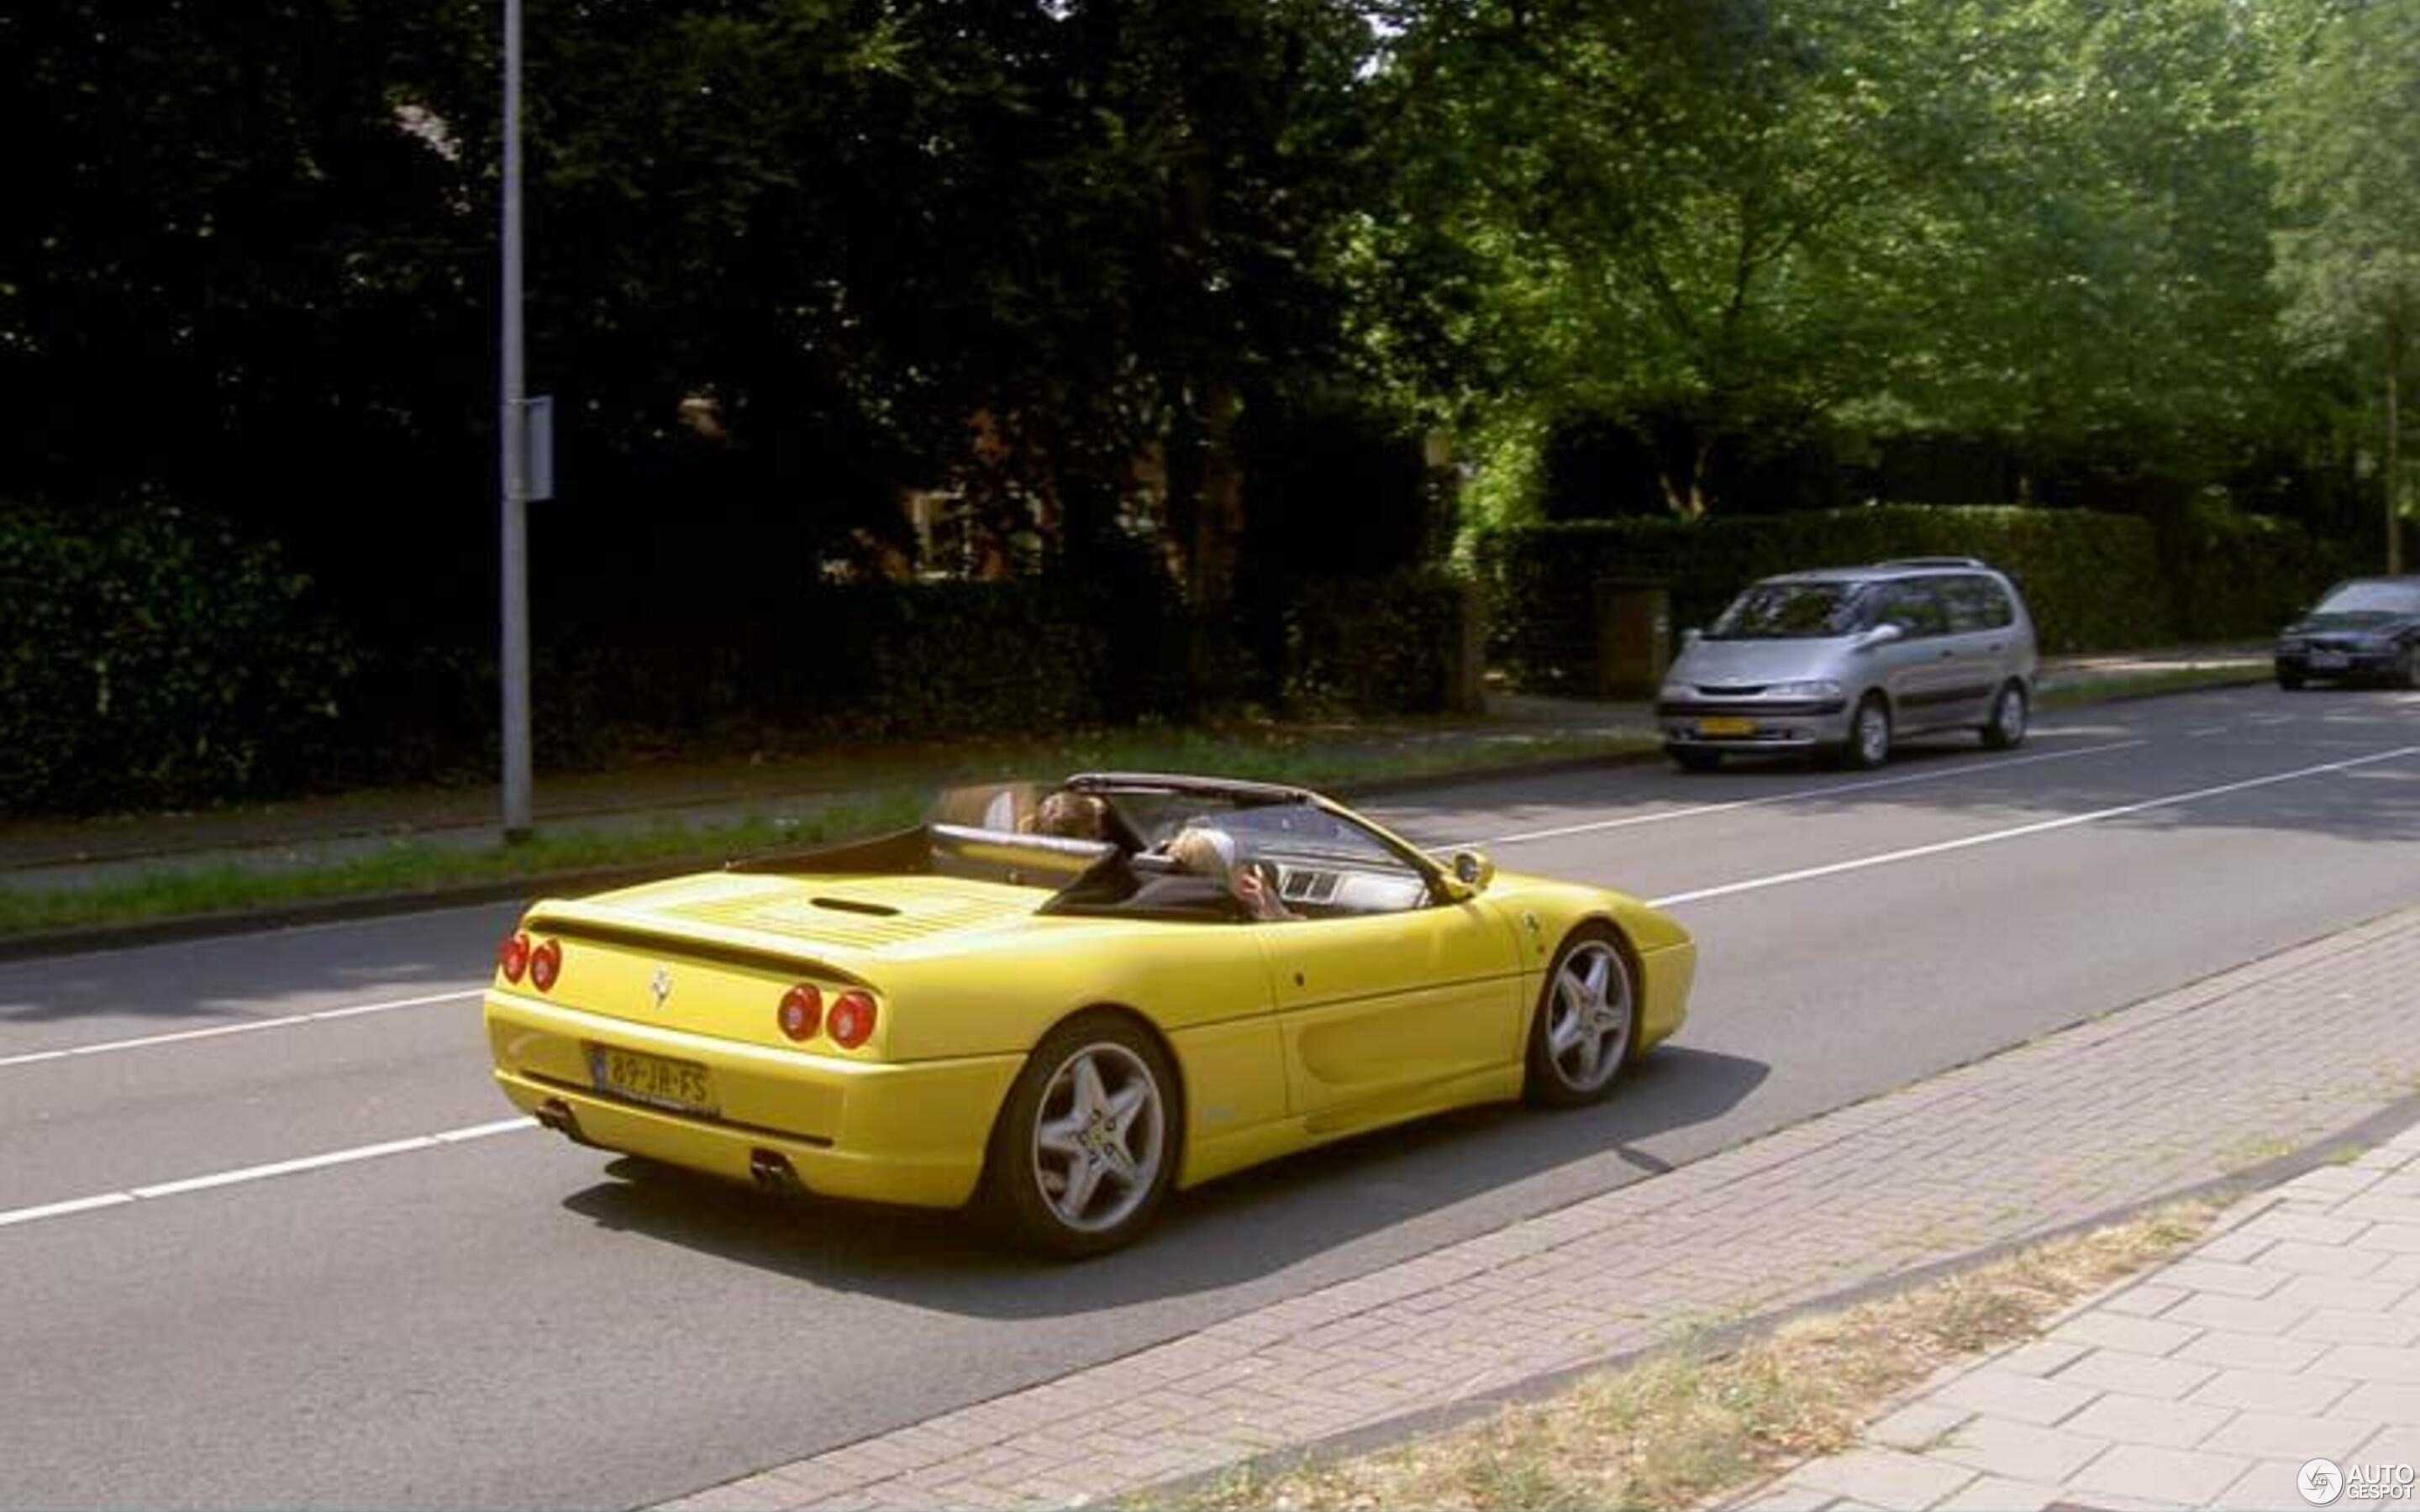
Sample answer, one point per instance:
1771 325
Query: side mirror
1691 636
1473 871
1881 635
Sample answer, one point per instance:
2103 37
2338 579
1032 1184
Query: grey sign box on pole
540 441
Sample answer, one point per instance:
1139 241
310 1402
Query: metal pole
515 433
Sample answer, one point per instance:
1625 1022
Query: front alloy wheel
1084 1149
1587 1024
1870 734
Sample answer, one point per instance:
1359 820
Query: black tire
2290 682
2407 670
1695 758
1016 1190
1865 748
2011 712
1552 1078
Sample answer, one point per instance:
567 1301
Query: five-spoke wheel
1086 1146
1587 1024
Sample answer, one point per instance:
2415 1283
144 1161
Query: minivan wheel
1870 735
2007 729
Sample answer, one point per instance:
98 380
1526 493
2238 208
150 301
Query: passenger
1211 852
1073 816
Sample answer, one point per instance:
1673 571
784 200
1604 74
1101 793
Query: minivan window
1914 607
1790 612
1976 604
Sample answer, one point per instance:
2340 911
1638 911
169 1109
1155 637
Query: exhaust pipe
555 1114
770 1169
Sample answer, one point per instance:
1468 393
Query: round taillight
850 1021
802 1012
512 957
545 964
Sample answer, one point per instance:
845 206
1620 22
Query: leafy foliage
155 660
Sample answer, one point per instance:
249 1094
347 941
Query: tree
2342 134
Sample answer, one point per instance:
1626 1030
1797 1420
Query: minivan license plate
681 1086
1726 725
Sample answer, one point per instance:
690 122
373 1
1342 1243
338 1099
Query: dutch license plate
655 1080
2330 661
1726 725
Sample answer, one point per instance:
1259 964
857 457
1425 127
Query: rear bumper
911 1134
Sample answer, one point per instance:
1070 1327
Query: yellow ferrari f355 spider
1062 1004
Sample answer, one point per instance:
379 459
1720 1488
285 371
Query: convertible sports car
1046 1003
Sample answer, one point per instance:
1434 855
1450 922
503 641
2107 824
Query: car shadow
1238 1229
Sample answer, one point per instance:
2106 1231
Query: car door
1981 632
1919 668
1379 1011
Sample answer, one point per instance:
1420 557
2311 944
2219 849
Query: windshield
2373 598
1790 612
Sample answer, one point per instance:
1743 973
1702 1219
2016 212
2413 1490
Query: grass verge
405 865
1684 1425
2143 685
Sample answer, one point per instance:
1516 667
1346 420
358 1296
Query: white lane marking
247 1026
1700 810
2206 731
2270 719
262 1173
2021 832
60 1210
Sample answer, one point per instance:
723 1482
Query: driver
1211 852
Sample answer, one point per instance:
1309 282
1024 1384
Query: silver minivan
1846 661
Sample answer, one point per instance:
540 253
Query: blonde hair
1199 848
1076 815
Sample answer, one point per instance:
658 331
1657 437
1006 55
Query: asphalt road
441 1307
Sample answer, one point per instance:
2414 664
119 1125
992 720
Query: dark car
2368 627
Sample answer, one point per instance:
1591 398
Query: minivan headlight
1816 689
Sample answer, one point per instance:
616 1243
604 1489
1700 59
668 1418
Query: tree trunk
2394 444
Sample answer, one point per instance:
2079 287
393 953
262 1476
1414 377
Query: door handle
1946 655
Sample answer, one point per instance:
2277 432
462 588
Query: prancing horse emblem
661 986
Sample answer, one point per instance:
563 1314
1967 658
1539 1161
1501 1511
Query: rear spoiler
687 945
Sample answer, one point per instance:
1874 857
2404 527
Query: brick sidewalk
2211 1382
2181 1090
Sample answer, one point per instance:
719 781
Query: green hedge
2092 580
150 658
2095 581
1387 644
2237 575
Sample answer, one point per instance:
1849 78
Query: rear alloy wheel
1085 1148
1587 1025
1870 735
2007 731
1695 758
